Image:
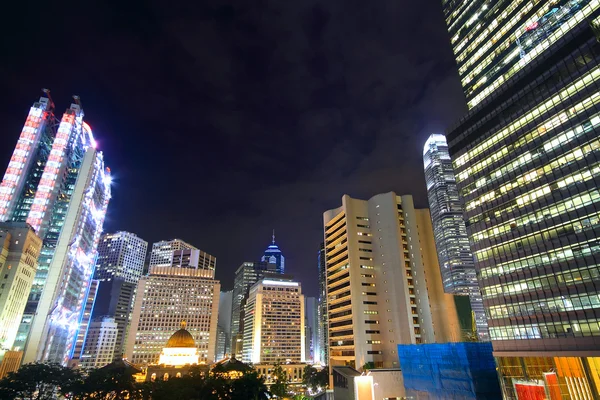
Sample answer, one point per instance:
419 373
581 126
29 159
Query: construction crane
47 93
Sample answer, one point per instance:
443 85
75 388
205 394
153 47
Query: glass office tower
57 183
322 308
527 163
451 241
273 255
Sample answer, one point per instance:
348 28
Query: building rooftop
347 371
181 338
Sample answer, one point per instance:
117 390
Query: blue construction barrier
449 371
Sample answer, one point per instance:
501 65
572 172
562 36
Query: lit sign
279 283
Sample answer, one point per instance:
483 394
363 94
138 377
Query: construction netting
450 371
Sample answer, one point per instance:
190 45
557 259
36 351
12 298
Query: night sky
223 120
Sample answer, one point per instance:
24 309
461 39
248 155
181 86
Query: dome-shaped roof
181 338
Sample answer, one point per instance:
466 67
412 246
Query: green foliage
315 379
368 365
39 382
214 387
51 381
279 388
301 397
177 388
107 383
249 387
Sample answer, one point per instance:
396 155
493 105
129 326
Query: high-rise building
114 299
246 275
383 281
56 182
86 318
100 342
168 295
119 268
323 355
311 324
526 162
452 243
274 322
121 255
224 325
273 255
19 251
162 252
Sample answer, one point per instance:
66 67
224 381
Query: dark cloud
223 120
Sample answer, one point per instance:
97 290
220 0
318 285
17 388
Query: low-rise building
177 357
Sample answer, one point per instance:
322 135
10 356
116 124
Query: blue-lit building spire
273 255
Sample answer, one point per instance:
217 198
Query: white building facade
274 322
167 296
99 344
121 255
19 251
383 281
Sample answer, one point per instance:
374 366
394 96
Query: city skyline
272 248
366 113
440 157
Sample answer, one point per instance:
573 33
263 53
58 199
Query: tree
280 387
178 389
322 378
249 386
215 387
368 365
309 377
113 382
39 381
315 379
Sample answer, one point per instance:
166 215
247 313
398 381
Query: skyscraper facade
224 325
121 255
452 243
274 256
19 251
323 355
274 322
119 267
56 182
383 282
100 343
114 299
83 325
246 275
526 158
167 296
162 252
312 322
